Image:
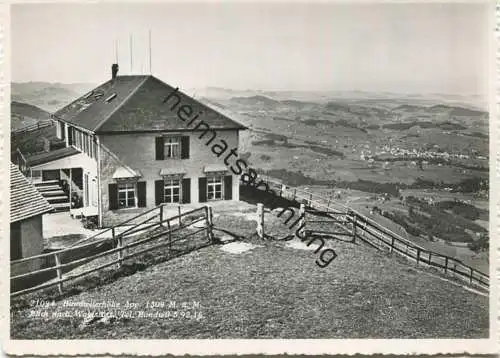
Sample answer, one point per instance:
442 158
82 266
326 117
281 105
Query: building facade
130 138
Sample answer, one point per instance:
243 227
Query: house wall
137 151
31 236
74 161
81 160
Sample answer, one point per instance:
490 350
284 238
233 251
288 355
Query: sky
405 47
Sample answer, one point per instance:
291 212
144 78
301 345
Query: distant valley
387 153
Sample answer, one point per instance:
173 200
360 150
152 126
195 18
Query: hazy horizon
402 48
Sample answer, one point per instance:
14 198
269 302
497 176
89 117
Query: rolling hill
48 96
23 115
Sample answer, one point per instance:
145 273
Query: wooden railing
23 166
58 265
38 125
384 239
379 236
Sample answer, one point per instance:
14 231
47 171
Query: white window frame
169 143
169 184
213 181
127 187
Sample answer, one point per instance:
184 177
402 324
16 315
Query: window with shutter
127 195
214 187
172 191
172 147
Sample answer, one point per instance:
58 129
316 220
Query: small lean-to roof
136 104
177 170
25 200
125 173
214 168
47 157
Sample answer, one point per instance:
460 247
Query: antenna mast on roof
131 62
150 67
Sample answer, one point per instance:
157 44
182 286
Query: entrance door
15 241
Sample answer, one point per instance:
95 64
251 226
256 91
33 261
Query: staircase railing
23 166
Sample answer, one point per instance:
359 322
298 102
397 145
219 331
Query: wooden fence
358 226
38 125
56 268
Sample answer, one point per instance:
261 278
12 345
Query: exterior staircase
55 195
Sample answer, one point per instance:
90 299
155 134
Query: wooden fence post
391 249
418 255
471 275
354 226
169 236
445 264
59 272
120 252
310 199
260 220
180 221
302 222
294 194
209 220
162 213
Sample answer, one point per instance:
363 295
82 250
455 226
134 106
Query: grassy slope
32 142
23 114
276 291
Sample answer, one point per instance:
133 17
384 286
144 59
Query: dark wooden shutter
160 155
113 196
141 194
70 135
202 190
186 190
185 147
228 187
159 191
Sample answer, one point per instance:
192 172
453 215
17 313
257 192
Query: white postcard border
257 346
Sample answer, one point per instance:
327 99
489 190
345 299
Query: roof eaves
74 124
100 124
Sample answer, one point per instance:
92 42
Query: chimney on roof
114 70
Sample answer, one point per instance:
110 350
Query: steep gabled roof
25 200
91 109
135 103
